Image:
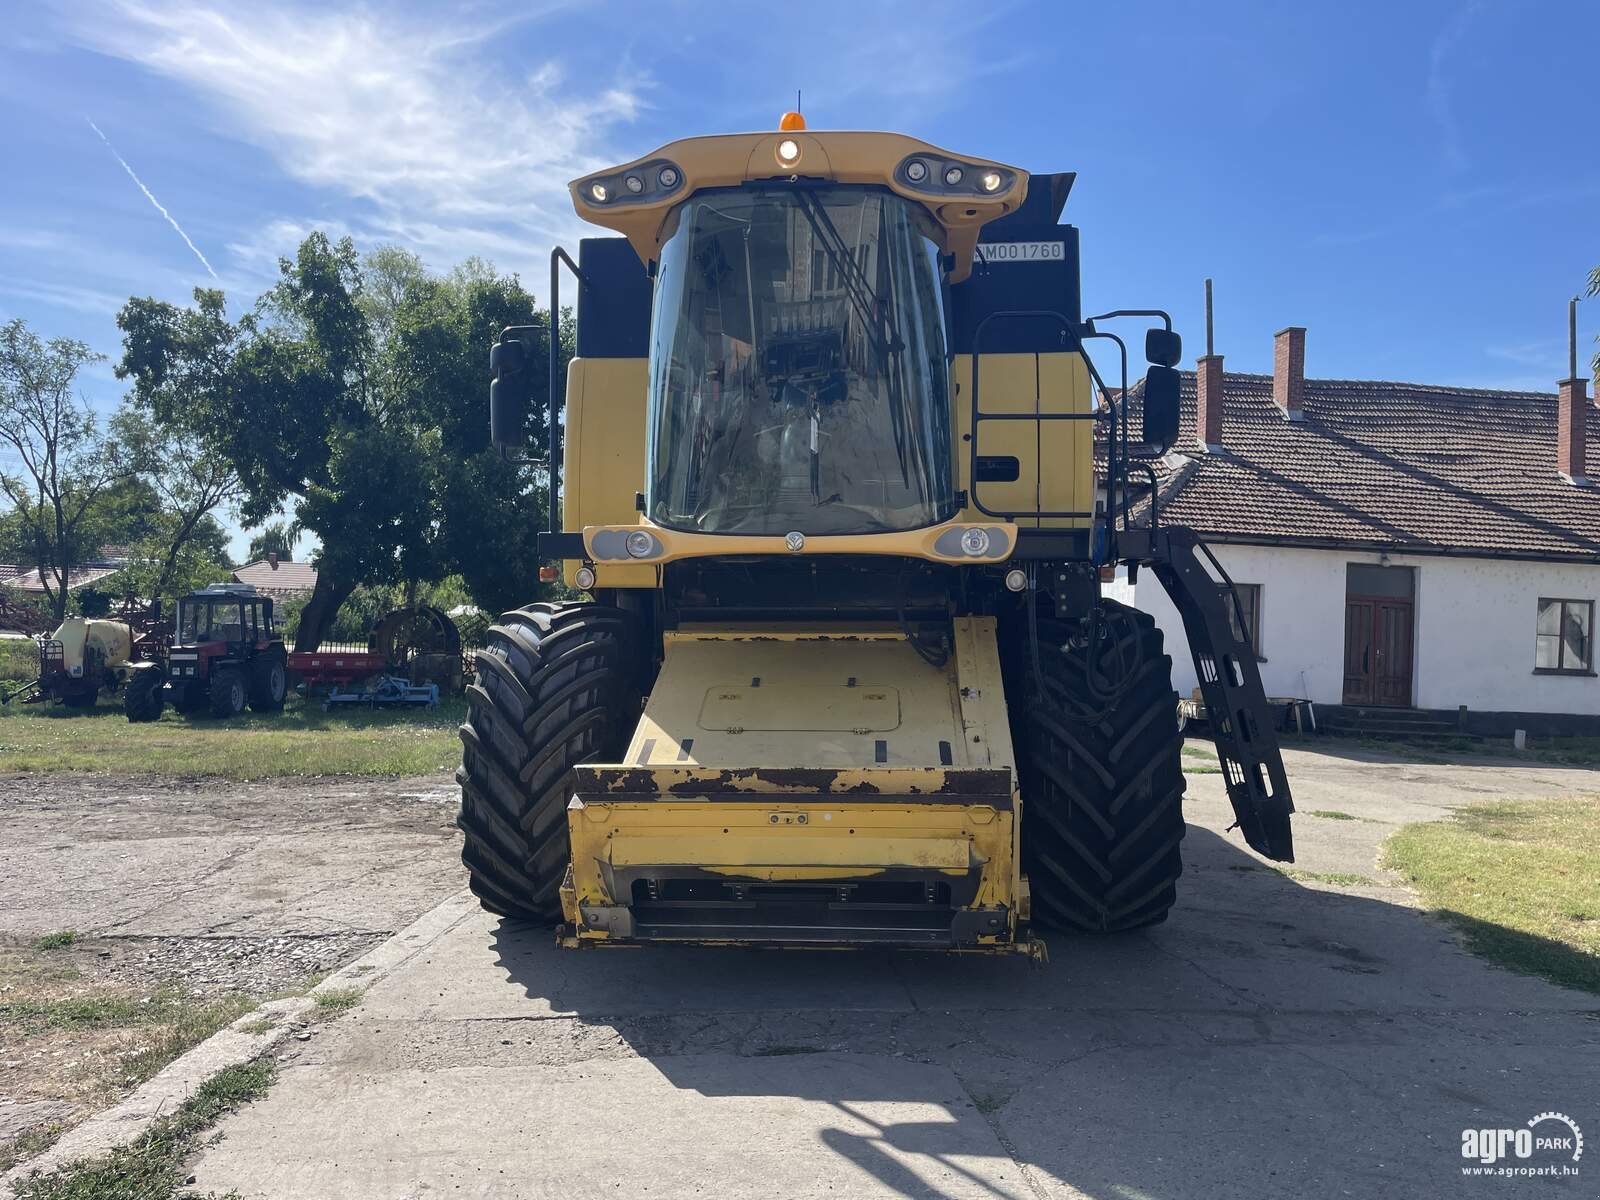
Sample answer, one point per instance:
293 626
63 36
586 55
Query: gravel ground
195 889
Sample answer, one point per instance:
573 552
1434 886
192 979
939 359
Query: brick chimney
272 559
1572 411
1208 401
1289 371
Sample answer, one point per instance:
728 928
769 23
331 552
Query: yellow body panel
605 455
923 789
1054 458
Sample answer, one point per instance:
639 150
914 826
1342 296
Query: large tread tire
226 694
557 685
269 683
1102 815
143 698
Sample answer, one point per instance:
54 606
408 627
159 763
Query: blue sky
1415 182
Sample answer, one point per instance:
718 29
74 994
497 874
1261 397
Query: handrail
1072 331
555 400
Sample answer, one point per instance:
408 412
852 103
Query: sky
1415 182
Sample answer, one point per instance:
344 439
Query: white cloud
415 119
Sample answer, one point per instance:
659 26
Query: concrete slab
1277 1036
826 1125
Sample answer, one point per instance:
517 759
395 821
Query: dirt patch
140 914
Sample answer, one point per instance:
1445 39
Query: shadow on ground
1270 1038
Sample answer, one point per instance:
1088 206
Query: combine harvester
829 482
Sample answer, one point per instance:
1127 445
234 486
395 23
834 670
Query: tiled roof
287 578
1388 465
28 579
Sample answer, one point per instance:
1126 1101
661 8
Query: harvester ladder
1230 683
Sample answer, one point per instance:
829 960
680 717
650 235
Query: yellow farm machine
844 673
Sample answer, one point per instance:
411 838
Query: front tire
556 686
227 693
269 683
144 698
1102 782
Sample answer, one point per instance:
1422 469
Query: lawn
1520 879
300 741
19 661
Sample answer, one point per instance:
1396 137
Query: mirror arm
1165 317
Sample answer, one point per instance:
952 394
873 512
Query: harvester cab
225 653
845 675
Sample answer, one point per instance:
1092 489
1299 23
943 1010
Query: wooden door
1358 656
1377 651
1392 661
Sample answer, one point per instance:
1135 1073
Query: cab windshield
210 621
797 374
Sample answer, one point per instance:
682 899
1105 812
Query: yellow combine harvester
846 675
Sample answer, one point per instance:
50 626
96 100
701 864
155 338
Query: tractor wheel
143 698
1102 788
227 693
269 683
556 686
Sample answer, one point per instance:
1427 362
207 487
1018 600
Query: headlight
1016 579
634 184
916 170
952 175
668 177
975 542
639 544
788 152
584 578
599 192
991 181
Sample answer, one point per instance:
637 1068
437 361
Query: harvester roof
959 192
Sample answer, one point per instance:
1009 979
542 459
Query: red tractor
225 654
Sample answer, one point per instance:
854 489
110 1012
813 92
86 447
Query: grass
1336 878
152 1166
29 1144
1332 814
1519 879
55 941
300 741
19 660
1554 751
336 1000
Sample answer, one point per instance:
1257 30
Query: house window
1564 642
1250 603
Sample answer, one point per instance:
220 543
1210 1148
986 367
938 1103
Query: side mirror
1163 347
510 394
1160 408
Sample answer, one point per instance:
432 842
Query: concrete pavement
1274 1037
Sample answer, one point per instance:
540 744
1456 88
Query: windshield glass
210 621
797 374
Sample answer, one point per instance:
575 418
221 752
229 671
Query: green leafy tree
65 464
275 537
357 393
190 479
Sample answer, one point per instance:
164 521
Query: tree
275 537
358 392
190 479
67 465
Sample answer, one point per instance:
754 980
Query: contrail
150 196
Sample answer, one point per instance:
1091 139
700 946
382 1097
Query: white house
1396 545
